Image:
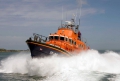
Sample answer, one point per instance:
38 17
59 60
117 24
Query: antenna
80 13
76 15
62 16
79 24
62 12
66 16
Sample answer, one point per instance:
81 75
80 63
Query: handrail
38 38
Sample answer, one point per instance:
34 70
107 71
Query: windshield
56 37
62 38
50 37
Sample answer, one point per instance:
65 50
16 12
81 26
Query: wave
79 65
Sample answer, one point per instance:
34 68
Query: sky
100 21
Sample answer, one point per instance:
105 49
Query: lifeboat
66 41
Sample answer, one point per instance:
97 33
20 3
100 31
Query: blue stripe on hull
41 50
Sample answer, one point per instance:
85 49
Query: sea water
91 65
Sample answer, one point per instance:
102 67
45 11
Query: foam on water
63 68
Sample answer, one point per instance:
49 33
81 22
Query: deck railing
39 38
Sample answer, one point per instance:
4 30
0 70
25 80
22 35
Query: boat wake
56 68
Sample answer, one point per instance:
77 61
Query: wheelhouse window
56 37
74 43
66 39
62 38
70 40
51 37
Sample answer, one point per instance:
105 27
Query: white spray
66 68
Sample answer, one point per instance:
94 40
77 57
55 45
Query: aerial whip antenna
76 15
62 12
80 12
66 16
62 16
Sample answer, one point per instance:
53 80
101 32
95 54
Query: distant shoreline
5 50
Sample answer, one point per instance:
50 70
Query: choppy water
86 66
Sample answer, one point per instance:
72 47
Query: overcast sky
19 19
